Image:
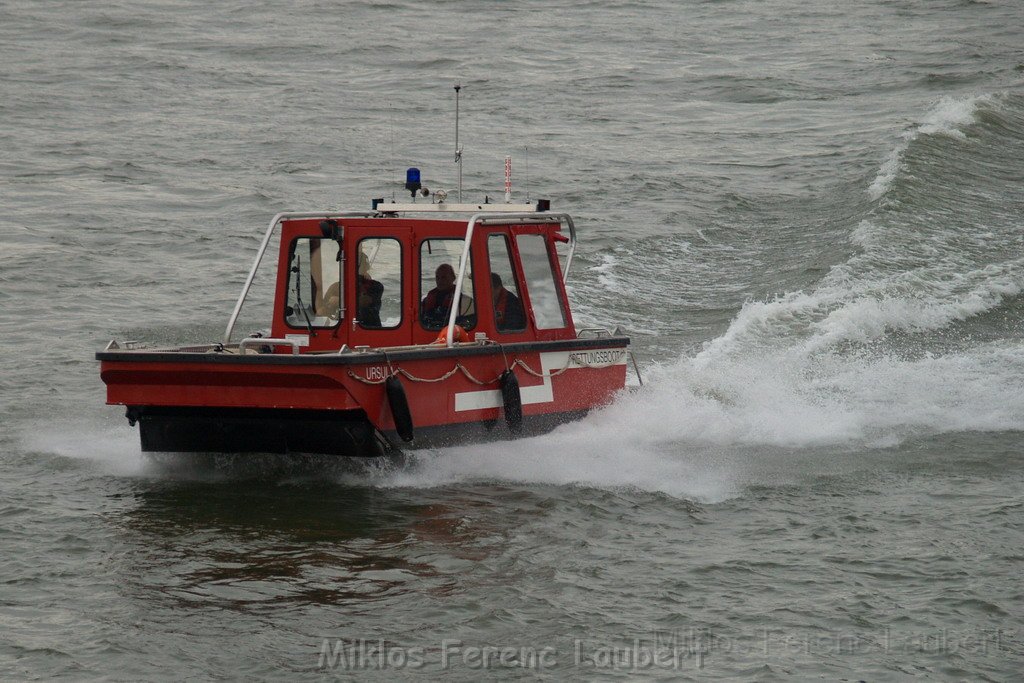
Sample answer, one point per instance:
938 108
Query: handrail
636 368
263 248
491 218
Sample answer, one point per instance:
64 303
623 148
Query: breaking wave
947 117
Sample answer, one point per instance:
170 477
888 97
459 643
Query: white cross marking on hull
539 393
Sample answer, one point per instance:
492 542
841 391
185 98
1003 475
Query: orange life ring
459 334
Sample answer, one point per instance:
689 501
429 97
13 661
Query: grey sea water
808 216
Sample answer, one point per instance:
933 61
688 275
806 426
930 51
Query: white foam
704 431
606 272
595 453
866 319
946 117
113 449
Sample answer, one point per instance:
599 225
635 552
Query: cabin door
378 310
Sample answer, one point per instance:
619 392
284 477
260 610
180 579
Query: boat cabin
387 281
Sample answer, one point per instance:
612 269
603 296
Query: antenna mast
527 174
458 150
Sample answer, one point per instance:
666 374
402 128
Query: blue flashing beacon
412 180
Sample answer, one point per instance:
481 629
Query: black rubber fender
133 413
512 401
399 405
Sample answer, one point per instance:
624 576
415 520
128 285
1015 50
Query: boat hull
337 403
326 432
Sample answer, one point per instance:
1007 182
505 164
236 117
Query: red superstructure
364 351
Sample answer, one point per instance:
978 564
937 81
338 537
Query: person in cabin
508 309
368 297
437 304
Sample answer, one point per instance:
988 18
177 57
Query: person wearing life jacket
508 309
369 293
437 304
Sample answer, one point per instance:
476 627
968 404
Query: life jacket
508 311
501 306
439 306
368 312
434 302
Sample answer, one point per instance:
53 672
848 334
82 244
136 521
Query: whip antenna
458 150
527 175
394 161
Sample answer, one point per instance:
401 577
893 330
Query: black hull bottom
491 430
244 430
327 432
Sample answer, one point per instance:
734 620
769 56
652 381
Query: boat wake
115 450
705 430
112 449
920 332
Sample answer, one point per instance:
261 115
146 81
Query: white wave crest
947 117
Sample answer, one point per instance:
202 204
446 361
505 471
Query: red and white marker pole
508 180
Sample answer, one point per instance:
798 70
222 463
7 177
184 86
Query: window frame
401 284
517 282
421 295
556 282
300 325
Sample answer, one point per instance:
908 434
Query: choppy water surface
808 217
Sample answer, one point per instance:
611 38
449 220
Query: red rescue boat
403 326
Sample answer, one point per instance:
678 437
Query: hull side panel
339 405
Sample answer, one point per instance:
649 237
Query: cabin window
439 268
509 315
378 283
314 290
545 299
